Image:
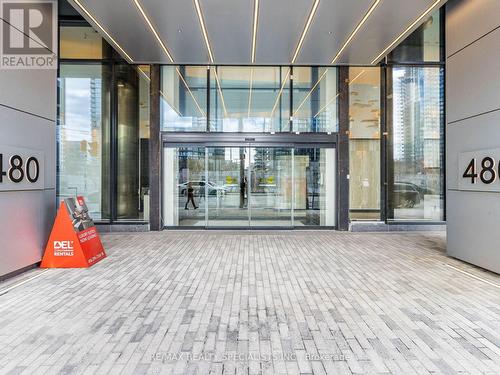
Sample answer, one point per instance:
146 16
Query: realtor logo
63 248
29 34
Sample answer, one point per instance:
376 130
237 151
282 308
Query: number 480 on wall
488 173
18 170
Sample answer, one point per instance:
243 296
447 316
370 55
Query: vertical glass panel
364 143
270 185
424 44
249 99
227 192
132 141
314 171
183 98
416 163
83 136
184 186
315 99
82 42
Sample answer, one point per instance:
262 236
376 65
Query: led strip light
127 56
355 31
306 29
255 25
153 30
204 29
388 48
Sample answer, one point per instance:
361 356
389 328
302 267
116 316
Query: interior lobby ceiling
261 32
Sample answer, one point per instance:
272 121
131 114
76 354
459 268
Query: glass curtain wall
84 135
315 98
103 128
244 99
416 187
249 99
364 143
183 98
415 124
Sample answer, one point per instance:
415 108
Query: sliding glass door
270 186
249 187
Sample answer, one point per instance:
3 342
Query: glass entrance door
270 186
248 186
227 197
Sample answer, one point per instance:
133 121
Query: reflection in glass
416 191
315 99
314 190
249 186
228 186
364 143
424 44
83 136
132 142
184 186
183 98
82 42
249 99
270 186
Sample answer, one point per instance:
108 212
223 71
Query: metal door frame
248 140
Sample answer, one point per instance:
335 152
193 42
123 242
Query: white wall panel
33 91
477 133
473 233
469 20
472 78
472 89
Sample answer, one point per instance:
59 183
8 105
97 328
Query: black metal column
343 151
154 151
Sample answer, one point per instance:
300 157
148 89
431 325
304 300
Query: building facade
253 146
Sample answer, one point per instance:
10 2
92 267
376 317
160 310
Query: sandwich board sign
74 241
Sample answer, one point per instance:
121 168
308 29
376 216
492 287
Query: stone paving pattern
302 302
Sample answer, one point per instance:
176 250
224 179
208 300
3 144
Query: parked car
199 188
406 195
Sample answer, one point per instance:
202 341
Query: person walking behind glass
190 195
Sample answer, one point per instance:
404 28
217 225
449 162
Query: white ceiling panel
333 23
280 25
229 25
232 43
178 26
124 23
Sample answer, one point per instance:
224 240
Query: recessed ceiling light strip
280 92
388 48
306 29
254 33
190 93
355 31
153 30
204 30
127 56
220 92
250 92
310 92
